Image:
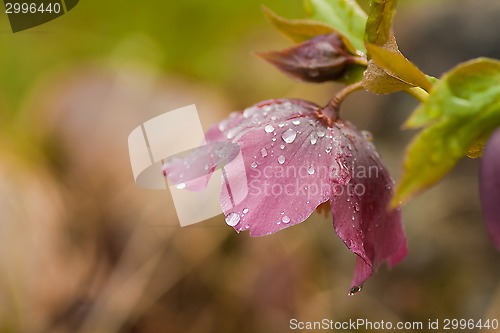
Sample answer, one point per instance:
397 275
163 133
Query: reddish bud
320 59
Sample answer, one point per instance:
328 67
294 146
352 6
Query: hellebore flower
490 187
297 156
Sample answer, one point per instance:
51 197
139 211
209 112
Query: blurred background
82 249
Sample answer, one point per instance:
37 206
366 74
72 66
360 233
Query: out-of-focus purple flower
298 155
490 187
320 59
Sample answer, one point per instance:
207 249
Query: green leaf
345 16
462 111
379 24
297 30
396 65
475 82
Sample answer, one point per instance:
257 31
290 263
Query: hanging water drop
354 290
233 219
281 159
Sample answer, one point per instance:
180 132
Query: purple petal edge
489 185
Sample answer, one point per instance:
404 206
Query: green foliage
462 110
379 23
345 16
397 66
297 30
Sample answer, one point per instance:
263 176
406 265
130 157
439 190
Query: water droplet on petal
282 147
233 219
274 118
253 165
245 210
310 170
281 125
355 290
289 135
367 135
180 186
269 128
232 132
281 159
296 122
314 139
321 134
263 152
274 139
250 112
285 219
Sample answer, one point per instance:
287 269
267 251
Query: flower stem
330 113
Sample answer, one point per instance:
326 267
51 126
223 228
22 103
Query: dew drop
281 159
180 186
354 290
282 147
367 135
269 128
321 134
310 170
296 122
253 165
285 219
274 118
250 112
233 219
314 139
289 135
263 152
245 210
268 108
281 125
232 132
274 139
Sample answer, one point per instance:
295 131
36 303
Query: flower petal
490 187
360 208
281 169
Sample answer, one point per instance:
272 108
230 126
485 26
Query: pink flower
490 187
296 156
